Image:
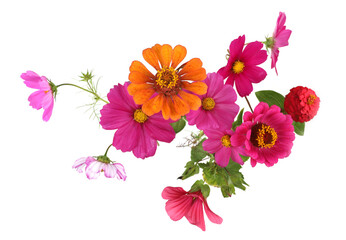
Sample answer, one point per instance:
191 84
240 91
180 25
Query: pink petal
32 79
172 192
177 208
253 55
93 169
212 145
121 174
48 112
110 170
243 85
282 39
255 74
236 47
36 99
214 218
195 215
159 130
79 164
222 156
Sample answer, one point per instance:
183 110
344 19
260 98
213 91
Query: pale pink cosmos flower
189 204
93 167
44 97
279 39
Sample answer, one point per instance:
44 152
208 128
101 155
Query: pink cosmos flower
219 142
242 68
43 98
218 108
267 135
136 131
189 204
93 167
279 39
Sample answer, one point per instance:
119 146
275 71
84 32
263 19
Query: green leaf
179 125
200 186
197 152
299 128
272 98
239 120
190 169
245 158
227 178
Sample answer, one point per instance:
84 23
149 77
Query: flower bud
302 104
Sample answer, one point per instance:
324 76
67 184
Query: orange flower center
226 141
238 67
208 103
263 136
167 77
311 99
140 116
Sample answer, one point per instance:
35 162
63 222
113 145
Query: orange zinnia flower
169 90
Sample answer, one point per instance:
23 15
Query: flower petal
190 66
153 105
197 75
151 57
142 96
199 88
138 77
179 53
137 66
192 100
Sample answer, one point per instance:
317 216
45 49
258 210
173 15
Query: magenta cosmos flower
181 203
279 39
218 108
267 135
219 142
93 167
136 131
242 68
44 97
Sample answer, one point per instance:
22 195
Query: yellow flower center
263 136
208 103
311 99
140 116
238 67
226 141
167 77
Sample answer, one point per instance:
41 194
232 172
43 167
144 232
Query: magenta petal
212 145
159 130
195 215
253 55
214 218
177 208
255 74
222 156
236 47
282 39
172 192
32 79
243 85
121 174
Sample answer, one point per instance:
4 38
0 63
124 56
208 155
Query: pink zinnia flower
44 97
302 104
219 142
218 108
267 134
279 39
93 167
136 131
242 68
189 204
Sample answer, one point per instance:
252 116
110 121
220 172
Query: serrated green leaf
272 98
197 152
190 169
227 191
205 189
244 158
299 128
179 125
239 120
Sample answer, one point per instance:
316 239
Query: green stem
95 94
108 149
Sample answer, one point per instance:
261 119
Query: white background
42 197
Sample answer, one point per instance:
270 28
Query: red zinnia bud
302 104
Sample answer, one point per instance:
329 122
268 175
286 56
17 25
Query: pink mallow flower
218 108
242 68
219 142
279 39
136 131
189 204
267 135
44 97
93 167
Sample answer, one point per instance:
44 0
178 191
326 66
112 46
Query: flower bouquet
155 105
